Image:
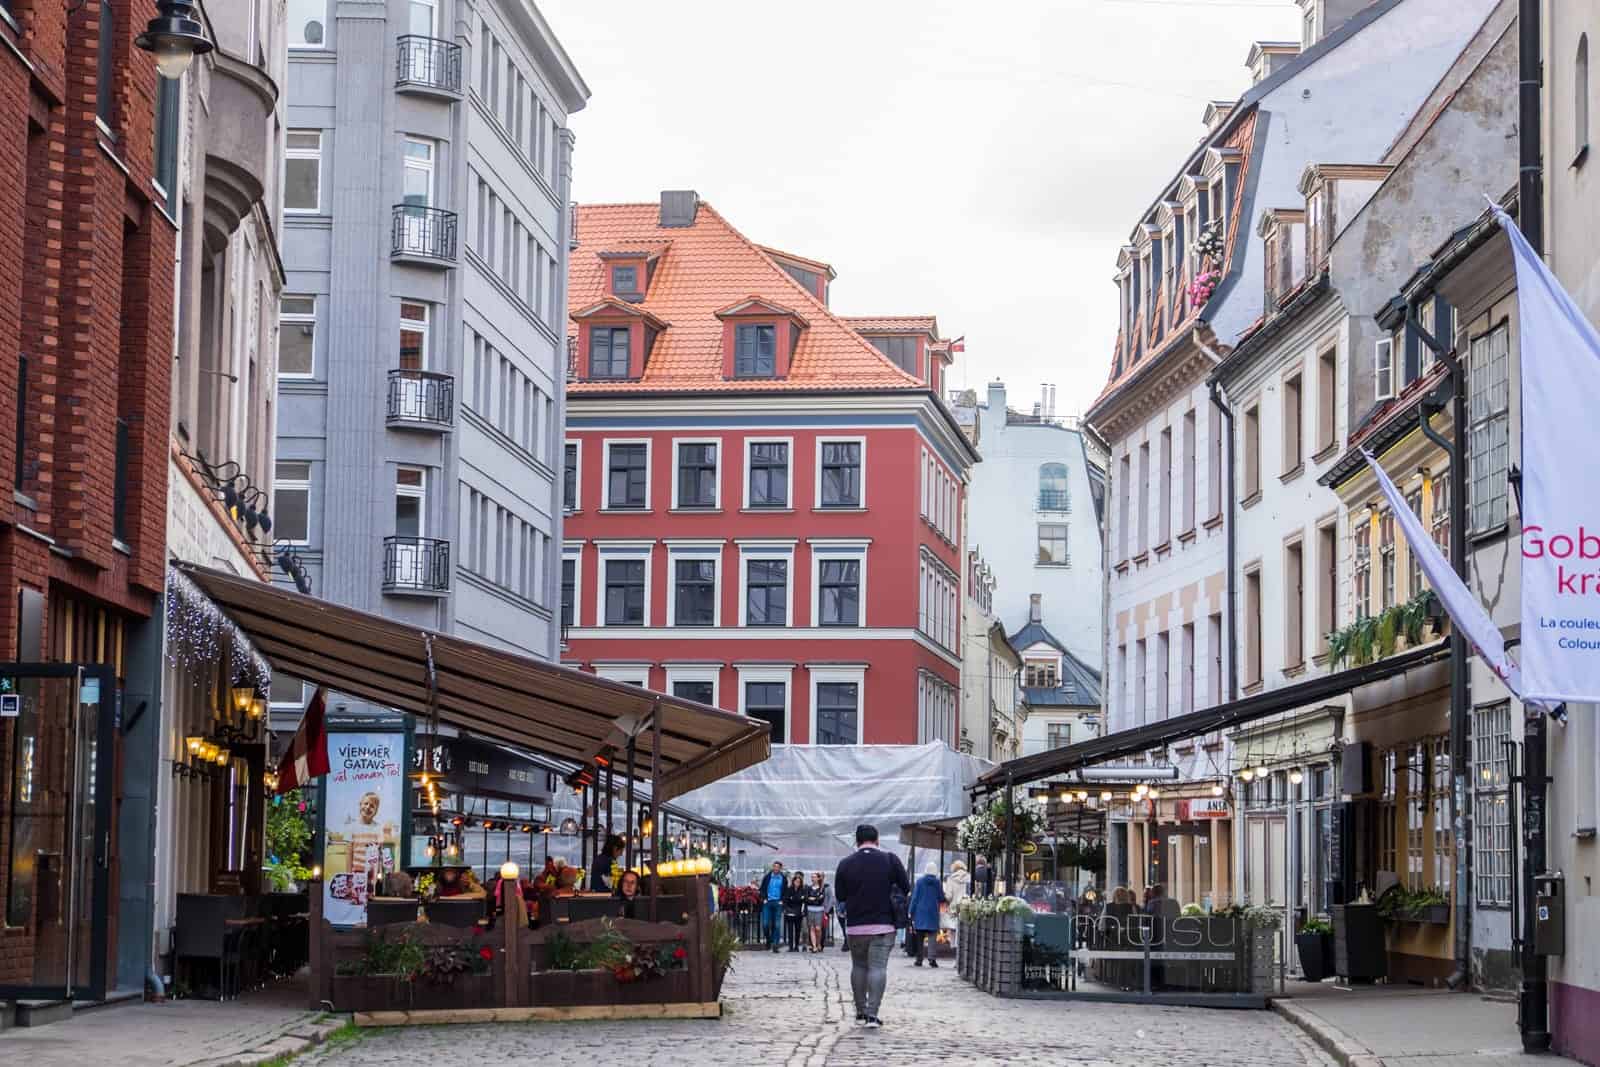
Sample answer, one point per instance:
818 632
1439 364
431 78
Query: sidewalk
1390 1026
178 1033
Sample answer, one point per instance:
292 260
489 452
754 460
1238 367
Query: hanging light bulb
1140 790
1083 794
1247 774
1261 772
1105 796
1152 793
242 696
258 708
194 744
1216 790
1065 798
430 851
1296 776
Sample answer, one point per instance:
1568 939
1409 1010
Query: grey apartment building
423 354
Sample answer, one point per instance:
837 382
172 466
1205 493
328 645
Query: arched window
1053 487
1580 99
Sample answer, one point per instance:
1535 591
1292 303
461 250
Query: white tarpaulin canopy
808 799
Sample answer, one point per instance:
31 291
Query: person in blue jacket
926 897
771 894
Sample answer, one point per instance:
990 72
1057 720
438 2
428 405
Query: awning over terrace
1060 761
488 692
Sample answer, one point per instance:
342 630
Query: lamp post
174 36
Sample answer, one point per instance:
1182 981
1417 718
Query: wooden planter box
1433 914
371 992
467 991
989 954
598 986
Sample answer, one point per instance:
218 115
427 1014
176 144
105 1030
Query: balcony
425 236
421 400
428 66
416 566
1054 500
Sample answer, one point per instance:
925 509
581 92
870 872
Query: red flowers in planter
680 953
486 953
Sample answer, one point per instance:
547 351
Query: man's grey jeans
869 970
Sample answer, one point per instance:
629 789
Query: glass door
413 399
56 723
417 194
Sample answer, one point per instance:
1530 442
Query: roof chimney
1035 607
678 208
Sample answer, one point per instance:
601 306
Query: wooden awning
488 692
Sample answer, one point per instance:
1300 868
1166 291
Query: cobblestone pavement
796 1010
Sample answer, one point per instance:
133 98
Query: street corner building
763 498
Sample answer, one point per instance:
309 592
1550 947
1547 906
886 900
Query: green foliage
724 945
1399 902
1084 855
387 954
1193 909
1374 636
609 950
288 843
1316 925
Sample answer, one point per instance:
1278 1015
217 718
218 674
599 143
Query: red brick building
86 331
762 497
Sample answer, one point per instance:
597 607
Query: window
307 19
1489 423
1163 677
302 171
697 475
1491 812
766 594
1252 624
105 72
1327 397
1383 367
1294 590
413 348
902 351
608 351
410 502
1413 560
755 353
169 109
1386 560
1144 498
1293 413
768 466
839 474
1362 535
839 592
569 591
624 592
297 330
1214 642
838 713
569 477
769 702
1441 511
1053 544
625 281
1164 505
1188 475
1328 585
1053 487
1252 452
695 592
1124 494
1141 657
286 690
1040 674
1580 100
416 178
1186 693
1214 454
939 606
701 692
627 475
291 502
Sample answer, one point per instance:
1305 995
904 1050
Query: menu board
361 843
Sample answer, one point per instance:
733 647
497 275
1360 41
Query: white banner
365 792
1560 356
1464 609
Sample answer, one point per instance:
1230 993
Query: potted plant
1314 945
381 977
1430 905
724 943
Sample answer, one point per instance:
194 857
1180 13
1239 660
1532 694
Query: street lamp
175 37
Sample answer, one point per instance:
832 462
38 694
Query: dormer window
625 282
608 351
755 350
900 348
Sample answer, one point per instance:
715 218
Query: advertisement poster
365 792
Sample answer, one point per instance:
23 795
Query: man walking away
771 894
864 884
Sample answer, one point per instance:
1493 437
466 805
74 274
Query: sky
979 160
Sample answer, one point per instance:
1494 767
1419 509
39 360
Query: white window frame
693 550
628 673
294 485
422 326
697 672
816 500
305 153
838 548
416 492
716 493
287 319
605 473
296 704
574 552
789 474
1383 368
766 550
771 674
619 551
428 167
577 482
1487 488
851 674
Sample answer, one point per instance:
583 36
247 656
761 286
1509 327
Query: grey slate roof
1080 683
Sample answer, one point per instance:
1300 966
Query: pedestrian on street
926 900
817 899
864 884
794 909
770 893
956 888
983 878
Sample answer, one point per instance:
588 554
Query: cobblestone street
788 1009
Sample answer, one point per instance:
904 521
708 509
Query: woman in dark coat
794 909
926 896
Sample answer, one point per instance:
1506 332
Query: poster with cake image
365 791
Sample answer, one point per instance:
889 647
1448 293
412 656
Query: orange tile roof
815 264
897 323
709 266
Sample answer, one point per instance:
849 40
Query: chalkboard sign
1341 861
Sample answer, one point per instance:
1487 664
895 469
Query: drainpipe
1219 397
1533 1001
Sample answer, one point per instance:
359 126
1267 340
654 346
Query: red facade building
762 497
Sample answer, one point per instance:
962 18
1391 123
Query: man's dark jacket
863 882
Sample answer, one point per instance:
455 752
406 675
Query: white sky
981 160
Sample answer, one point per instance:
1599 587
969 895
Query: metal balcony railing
422 399
423 233
429 63
416 565
1054 500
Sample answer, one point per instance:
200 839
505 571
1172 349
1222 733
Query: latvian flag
307 755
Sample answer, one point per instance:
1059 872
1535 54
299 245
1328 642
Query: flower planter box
467 991
598 986
1262 945
1433 914
989 953
1316 955
371 992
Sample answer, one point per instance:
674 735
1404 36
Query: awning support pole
611 796
655 806
629 841
1010 834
